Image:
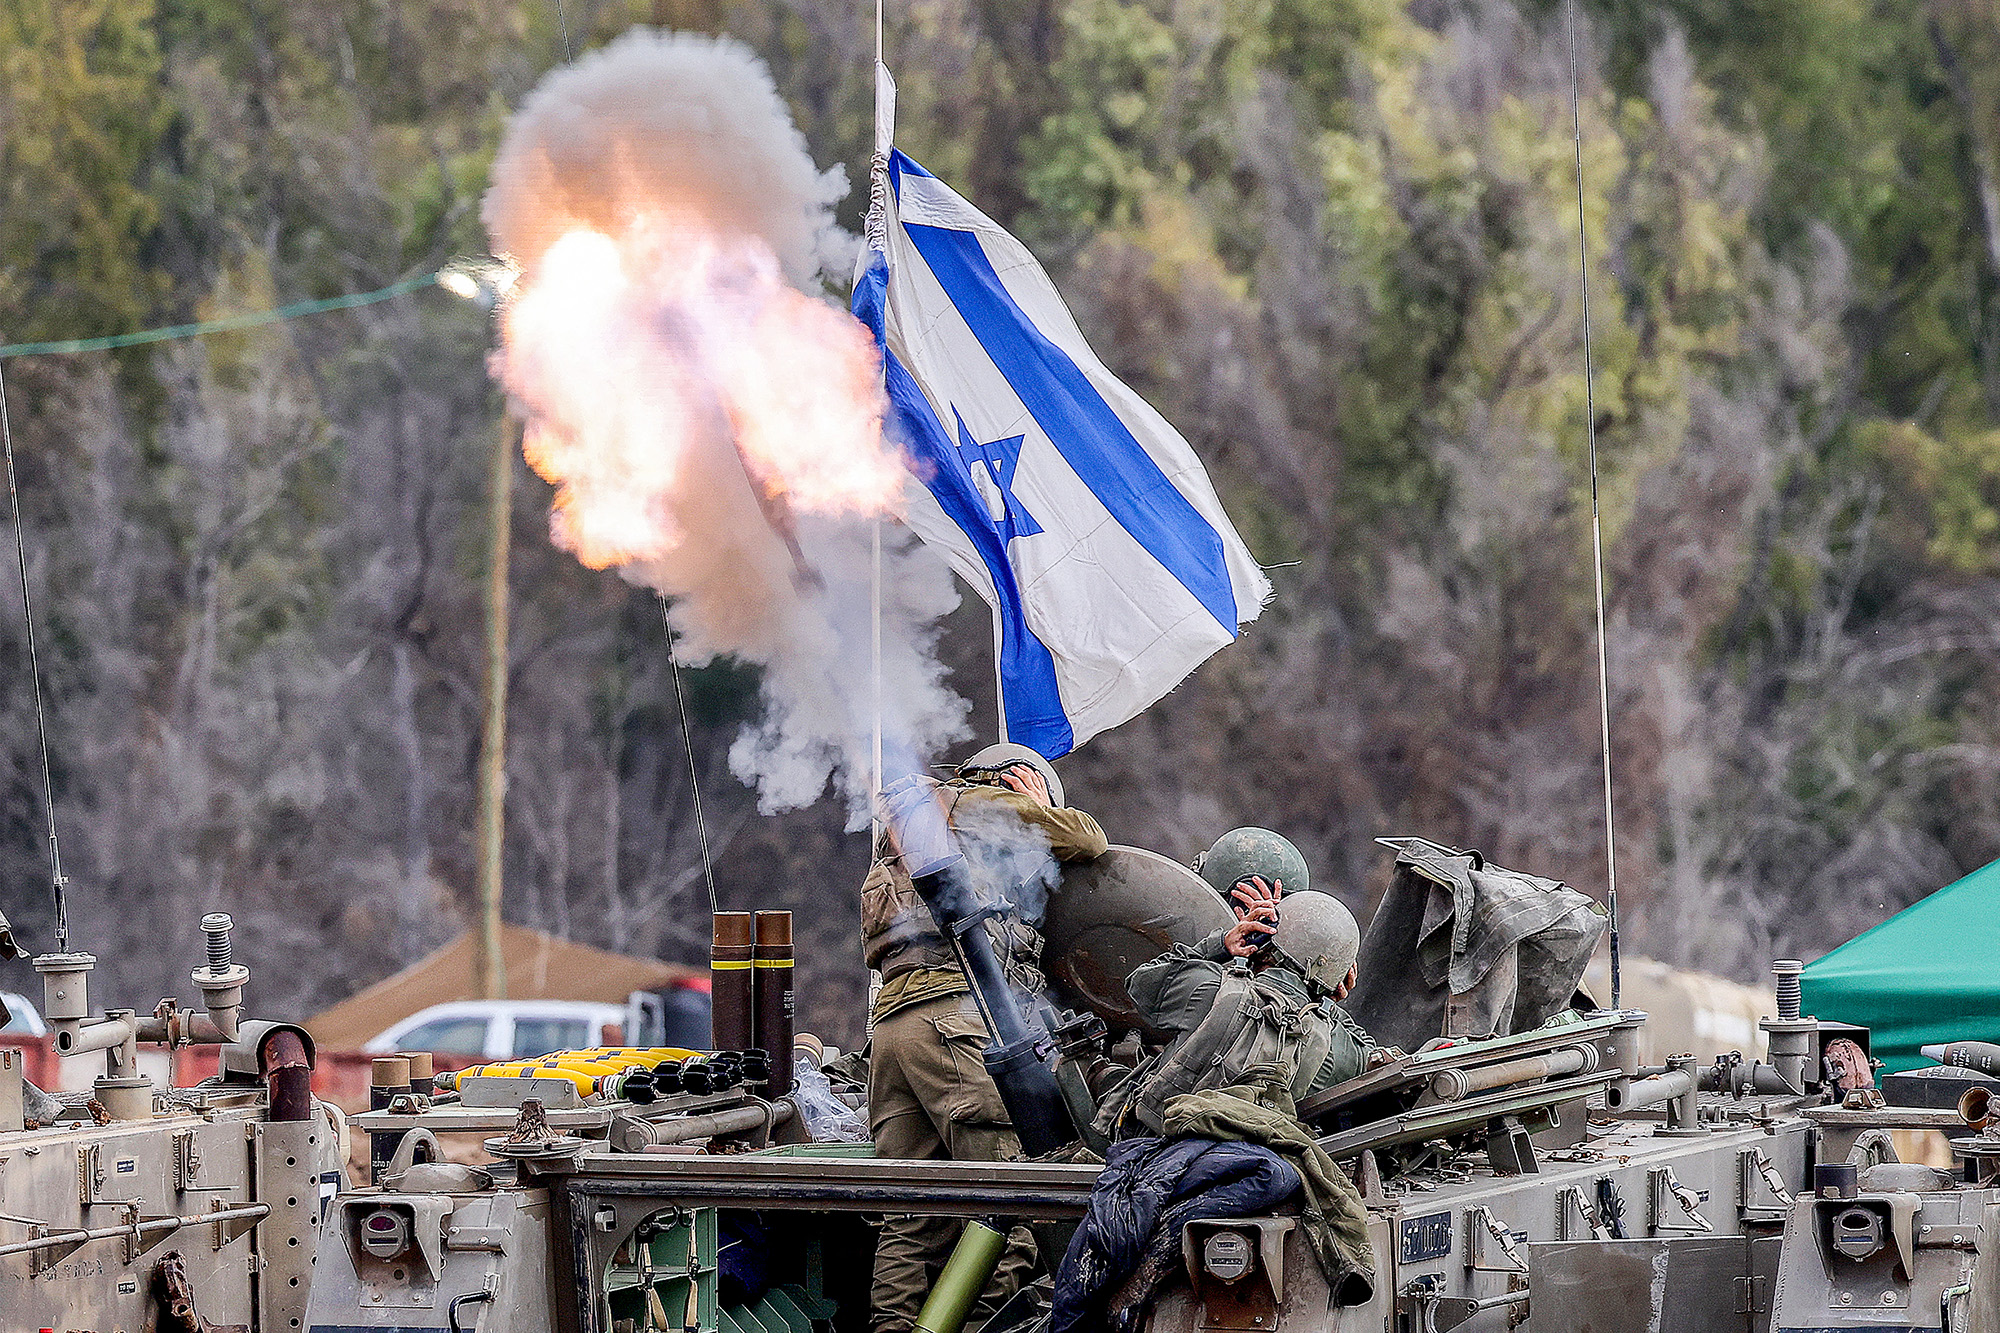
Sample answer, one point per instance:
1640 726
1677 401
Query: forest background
1335 241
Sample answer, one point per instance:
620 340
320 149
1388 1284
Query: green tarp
1931 973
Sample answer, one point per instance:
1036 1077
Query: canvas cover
1931 973
1463 947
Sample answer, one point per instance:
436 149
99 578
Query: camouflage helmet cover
998 758
1243 852
1318 935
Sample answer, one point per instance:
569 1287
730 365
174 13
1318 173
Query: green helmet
1318 936
1243 852
998 758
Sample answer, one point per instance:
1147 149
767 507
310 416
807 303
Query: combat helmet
1243 852
995 758
1318 936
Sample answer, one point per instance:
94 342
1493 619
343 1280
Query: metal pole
489 967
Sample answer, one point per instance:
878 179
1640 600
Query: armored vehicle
135 1208
1539 1179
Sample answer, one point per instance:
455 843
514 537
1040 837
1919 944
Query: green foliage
81 122
1336 241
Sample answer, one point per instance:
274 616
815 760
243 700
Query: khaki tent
539 967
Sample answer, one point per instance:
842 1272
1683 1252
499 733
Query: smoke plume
711 424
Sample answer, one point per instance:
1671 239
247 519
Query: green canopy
1930 973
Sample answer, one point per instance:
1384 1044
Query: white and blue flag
1081 516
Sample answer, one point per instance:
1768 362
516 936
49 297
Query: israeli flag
1081 516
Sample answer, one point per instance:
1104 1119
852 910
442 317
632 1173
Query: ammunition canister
422 1074
388 1079
730 966
773 971
971 1266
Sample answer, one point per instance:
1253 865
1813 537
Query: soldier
1259 993
929 1095
1251 856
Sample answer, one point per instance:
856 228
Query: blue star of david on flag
1137 575
1000 458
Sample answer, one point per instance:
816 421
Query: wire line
295 310
57 881
687 739
1596 524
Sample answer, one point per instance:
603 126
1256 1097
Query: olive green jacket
1174 990
1260 1110
1009 839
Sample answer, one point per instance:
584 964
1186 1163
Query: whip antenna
57 880
687 739
1596 525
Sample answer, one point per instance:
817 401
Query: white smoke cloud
712 425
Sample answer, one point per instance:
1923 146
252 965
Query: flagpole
875 566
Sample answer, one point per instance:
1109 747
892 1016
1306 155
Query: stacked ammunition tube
730 969
773 996
750 970
388 1079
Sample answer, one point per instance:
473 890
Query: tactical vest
898 934
1253 1020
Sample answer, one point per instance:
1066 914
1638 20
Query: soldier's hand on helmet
1253 891
1257 916
1026 780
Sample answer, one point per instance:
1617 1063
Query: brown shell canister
774 996
729 970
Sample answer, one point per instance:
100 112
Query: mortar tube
1027 1086
971 1266
731 1023
388 1079
924 839
774 998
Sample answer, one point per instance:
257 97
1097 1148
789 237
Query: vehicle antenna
687 739
57 880
1596 524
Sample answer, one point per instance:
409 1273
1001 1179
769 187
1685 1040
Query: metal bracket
1572 1205
1483 1232
44 1260
1672 1201
1754 1169
187 1161
491 1239
1750 1295
229 1228
89 1175
130 1240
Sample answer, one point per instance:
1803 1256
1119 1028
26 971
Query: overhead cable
229 324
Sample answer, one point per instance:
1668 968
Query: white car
22 1016
504 1029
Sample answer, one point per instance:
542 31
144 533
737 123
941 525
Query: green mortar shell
965 1275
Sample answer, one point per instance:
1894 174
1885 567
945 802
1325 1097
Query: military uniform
929 1095
1176 991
